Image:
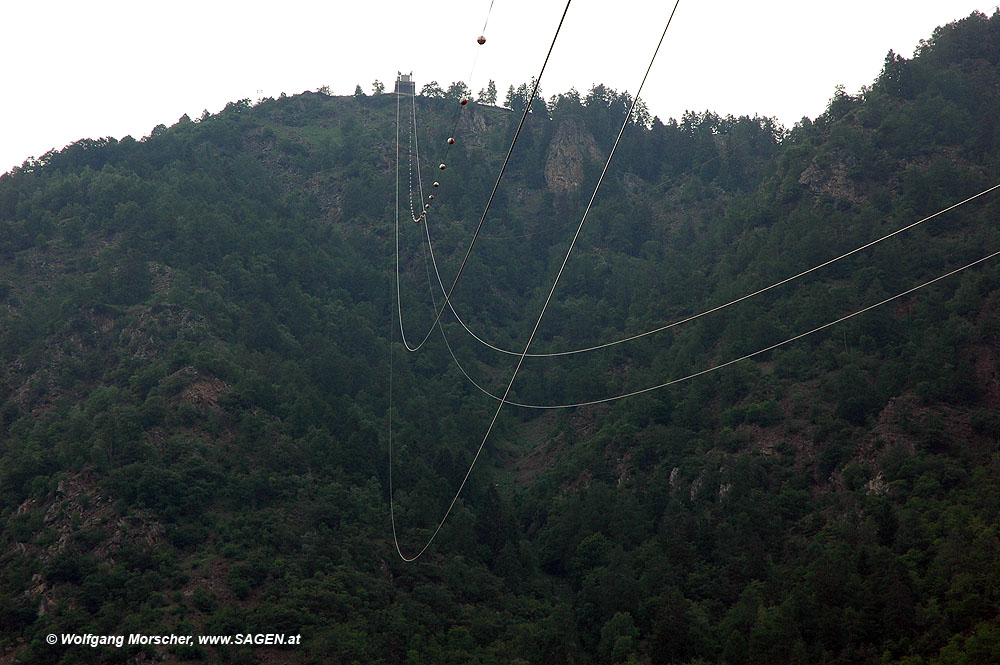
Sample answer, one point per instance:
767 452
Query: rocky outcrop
831 177
571 148
79 506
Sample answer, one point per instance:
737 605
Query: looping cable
548 299
458 276
496 186
688 319
503 399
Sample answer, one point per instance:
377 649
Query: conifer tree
488 95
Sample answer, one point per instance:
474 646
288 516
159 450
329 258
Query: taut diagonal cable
545 305
489 203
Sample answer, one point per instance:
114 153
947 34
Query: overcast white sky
76 69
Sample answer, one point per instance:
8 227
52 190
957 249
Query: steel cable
489 202
548 299
717 308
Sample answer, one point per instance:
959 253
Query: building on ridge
405 84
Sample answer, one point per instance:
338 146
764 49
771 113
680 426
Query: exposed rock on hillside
570 149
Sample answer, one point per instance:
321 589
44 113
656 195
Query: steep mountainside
194 389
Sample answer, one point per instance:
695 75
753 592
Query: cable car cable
475 60
765 349
489 202
717 308
488 12
714 367
454 123
525 354
409 178
545 305
416 150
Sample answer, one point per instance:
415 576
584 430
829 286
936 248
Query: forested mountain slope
194 407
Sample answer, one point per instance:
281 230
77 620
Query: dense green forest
195 334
